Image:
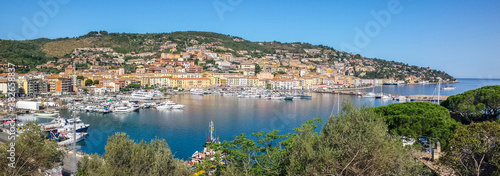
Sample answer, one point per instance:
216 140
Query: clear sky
459 37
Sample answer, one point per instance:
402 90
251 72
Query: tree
103 32
416 119
96 82
475 105
134 86
357 143
88 82
92 33
85 90
474 149
354 143
257 68
125 157
80 77
129 68
32 152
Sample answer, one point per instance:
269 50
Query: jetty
411 97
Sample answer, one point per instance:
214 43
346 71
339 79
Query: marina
234 111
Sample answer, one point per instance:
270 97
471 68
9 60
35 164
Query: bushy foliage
32 153
482 104
355 142
416 119
23 53
125 157
474 149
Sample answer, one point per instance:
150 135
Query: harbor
233 110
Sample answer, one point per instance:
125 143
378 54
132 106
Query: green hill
35 52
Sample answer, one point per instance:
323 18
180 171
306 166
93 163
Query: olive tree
32 152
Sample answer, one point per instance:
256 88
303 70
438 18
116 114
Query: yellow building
189 82
215 81
161 81
253 81
233 81
223 81
206 74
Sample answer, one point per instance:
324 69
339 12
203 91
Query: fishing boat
69 138
201 156
56 123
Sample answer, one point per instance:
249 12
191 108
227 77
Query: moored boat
448 88
201 156
46 114
197 91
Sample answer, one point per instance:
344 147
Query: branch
479 166
349 162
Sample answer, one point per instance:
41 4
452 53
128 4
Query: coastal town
207 65
249 88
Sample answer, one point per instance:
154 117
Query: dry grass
62 47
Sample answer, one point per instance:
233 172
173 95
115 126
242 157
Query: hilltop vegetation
25 53
36 52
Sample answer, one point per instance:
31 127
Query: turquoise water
186 130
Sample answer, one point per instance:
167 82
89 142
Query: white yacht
369 95
142 95
174 105
448 88
170 105
196 91
69 126
124 109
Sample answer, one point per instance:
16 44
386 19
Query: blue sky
459 37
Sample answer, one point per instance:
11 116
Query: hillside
36 52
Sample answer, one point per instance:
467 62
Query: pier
411 97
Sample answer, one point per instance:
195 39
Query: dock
411 97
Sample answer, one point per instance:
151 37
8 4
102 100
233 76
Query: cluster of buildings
32 84
200 66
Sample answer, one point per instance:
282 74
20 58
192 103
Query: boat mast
439 89
211 130
338 101
74 142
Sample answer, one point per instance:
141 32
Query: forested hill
31 53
